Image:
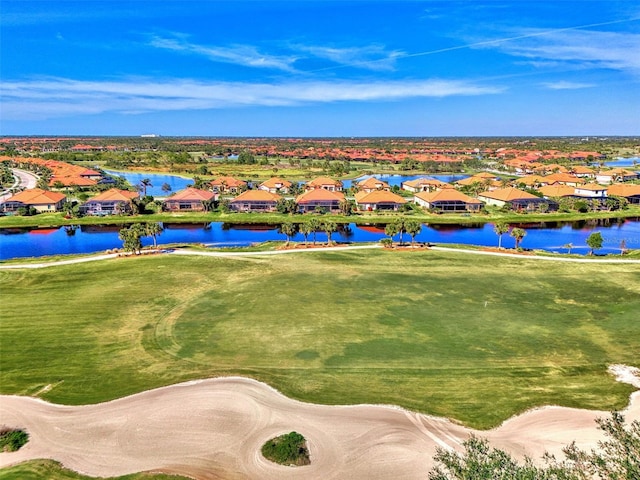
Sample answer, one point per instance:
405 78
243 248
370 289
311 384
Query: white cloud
576 48
372 57
245 55
59 97
564 85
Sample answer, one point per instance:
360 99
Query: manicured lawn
39 469
473 338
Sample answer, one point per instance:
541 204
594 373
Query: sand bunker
214 429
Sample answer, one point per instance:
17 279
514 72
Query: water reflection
550 236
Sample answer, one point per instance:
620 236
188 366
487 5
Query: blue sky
320 68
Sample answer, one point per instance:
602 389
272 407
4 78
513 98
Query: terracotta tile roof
228 181
69 181
446 195
530 179
424 181
507 194
594 187
115 195
320 181
373 183
276 182
557 190
581 169
257 196
624 189
320 194
563 178
378 196
37 196
193 194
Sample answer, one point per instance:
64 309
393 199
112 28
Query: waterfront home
111 202
378 200
228 185
372 184
591 190
530 181
255 201
447 200
423 184
324 183
190 200
516 199
556 190
582 171
615 175
313 200
275 185
41 200
563 179
626 190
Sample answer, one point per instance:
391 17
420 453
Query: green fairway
473 338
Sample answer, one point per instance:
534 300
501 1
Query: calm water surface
34 242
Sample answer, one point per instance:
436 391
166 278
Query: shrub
288 449
12 440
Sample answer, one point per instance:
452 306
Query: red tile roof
193 194
507 194
320 195
115 195
378 196
257 196
37 196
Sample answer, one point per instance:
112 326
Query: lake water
550 236
157 180
396 180
625 162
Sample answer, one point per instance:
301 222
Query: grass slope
39 469
476 339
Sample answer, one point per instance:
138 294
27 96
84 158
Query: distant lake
176 182
625 162
549 236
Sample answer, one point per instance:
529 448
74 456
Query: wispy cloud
246 55
372 57
564 85
62 97
577 48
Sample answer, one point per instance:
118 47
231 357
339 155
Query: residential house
615 175
372 184
228 185
319 198
556 190
275 185
378 200
563 178
41 200
516 199
591 190
423 184
190 200
626 190
324 183
582 171
255 201
111 202
447 200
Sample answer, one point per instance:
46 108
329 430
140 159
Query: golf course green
473 338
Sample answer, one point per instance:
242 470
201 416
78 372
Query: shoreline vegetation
50 220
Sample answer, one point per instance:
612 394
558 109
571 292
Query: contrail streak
478 44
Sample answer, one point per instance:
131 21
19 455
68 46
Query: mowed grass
473 338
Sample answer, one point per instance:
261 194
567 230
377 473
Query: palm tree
329 227
144 183
568 246
413 228
500 228
314 225
289 229
153 229
305 229
518 234
391 229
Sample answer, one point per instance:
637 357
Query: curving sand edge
214 428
